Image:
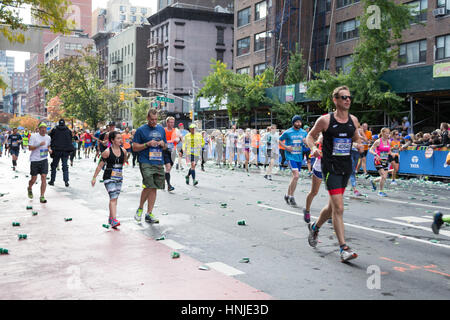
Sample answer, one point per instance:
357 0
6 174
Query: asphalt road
399 256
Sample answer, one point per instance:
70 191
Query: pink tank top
383 150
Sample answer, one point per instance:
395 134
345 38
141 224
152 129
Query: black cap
62 122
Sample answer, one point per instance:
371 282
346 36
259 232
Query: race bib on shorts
15 144
342 146
170 145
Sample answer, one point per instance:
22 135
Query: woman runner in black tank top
113 174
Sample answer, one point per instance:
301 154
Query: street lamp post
193 84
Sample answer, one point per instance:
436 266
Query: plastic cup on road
175 255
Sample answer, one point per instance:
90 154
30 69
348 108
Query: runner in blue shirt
294 139
149 142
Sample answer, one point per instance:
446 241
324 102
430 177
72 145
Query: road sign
164 99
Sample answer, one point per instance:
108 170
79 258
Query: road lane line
413 219
415 204
369 229
441 232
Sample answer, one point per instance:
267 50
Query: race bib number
15 144
296 147
43 153
384 155
342 146
155 154
116 174
170 145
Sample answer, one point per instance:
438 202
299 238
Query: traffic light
122 96
190 114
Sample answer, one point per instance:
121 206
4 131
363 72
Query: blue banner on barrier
439 166
415 162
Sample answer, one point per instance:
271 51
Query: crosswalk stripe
224 268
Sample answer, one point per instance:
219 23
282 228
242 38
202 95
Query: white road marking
412 219
415 204
441 232
172 244
372 230
224 268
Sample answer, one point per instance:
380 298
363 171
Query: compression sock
193 174
167 175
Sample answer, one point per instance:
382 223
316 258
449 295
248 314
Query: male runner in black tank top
339 131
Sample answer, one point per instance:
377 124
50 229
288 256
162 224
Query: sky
20 57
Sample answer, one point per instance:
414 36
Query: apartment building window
418 9
220 35
413 52
260 10
132 68
347 30
144 11
259 69
244 17
243 46
245 70
122 9
220 55
344 3
443 47
122 17
324 6
133 10
444 4
133 18
260 41
343 64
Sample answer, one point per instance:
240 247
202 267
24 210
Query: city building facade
178 61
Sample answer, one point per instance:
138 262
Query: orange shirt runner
126 140
171 136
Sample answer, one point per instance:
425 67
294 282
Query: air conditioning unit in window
439 12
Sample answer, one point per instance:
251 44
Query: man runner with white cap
339 130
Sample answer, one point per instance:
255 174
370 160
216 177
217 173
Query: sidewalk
80 259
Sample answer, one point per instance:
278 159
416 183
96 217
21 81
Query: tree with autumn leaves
50 13
83 95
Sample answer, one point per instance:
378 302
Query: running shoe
187 179
347 254
51 183
357 193
292 202
195 182
286 198
382 194
114 223
67 184
330 221
266 177
270 178
366 175
30 193
374 187
437 222
170 188
150 218
42 200
306 216
313 235
138 215
393 182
